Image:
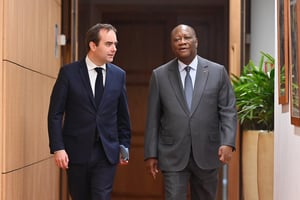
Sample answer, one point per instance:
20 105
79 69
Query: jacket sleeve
56 112
124 127
227 111
153 116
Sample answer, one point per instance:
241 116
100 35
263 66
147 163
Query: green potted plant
254 90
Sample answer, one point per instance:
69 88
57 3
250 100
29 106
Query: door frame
235 9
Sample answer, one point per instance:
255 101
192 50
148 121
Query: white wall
287 136
262 28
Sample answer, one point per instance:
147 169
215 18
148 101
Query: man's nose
182 40
114 47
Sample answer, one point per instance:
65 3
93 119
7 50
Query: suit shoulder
72 66
116 68
166 66
211 64
207 62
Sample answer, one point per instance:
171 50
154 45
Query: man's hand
61 159
225 154
124 155
151 165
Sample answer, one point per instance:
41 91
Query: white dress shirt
181 68
93 74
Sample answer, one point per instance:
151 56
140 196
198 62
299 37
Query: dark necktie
98 86
188 87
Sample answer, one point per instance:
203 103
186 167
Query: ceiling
157 2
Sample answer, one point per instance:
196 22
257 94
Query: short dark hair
92 35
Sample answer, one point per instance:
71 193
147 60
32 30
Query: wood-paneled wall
235 9
1 95
29 66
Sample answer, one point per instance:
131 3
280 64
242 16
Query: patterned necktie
188 87
98 86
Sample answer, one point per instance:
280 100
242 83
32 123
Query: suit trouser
93 180
203 183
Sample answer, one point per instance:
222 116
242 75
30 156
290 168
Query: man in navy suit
84 136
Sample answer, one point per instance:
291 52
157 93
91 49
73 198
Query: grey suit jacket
172 131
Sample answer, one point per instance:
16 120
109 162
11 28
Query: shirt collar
193 64
91 65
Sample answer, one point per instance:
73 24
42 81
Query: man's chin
186 59
184 55
110 60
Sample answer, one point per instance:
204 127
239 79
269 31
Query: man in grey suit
191 122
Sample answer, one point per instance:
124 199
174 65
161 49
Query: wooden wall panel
10 29
28 69
132 181
39 181
26 104
29 34
54 17
137 103
14 125
1 94
234 63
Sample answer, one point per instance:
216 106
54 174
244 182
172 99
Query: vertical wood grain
28 70
1 94
29 34
39 181
234 67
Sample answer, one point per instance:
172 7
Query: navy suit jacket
74 118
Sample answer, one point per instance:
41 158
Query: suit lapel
176 84
86 81
200 82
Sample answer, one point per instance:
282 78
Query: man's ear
92 45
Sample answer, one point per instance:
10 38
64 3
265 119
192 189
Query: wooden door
141 48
